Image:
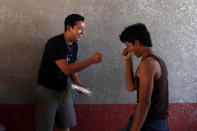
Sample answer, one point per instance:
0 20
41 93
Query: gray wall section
25 26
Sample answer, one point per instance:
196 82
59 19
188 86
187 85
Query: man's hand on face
126 54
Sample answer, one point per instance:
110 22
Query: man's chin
78 39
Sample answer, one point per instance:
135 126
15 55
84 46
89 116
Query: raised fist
97 57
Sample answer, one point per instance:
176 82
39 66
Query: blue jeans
154 125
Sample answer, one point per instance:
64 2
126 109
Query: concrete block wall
25 26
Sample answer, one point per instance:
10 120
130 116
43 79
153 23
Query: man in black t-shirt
53 98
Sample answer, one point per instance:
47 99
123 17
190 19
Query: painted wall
25 26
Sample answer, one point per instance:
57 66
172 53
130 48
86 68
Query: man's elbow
67 71
145 103
131 89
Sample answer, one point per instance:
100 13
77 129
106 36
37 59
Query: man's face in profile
78 30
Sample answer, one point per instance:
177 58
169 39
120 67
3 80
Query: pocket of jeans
159 124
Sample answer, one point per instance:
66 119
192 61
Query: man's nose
83 31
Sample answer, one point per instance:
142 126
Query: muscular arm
75 78
76 67
146 74
130 81
72 68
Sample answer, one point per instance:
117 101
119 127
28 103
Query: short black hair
134 32
72 20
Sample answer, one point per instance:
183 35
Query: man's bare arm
76 67
130 81
75 78
147 71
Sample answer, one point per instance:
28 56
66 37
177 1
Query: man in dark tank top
150 81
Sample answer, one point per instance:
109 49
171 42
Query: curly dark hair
134 32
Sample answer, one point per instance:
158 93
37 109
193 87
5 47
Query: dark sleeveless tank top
159 100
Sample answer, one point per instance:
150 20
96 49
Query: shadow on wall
21 53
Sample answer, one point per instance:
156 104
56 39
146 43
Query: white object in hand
79 88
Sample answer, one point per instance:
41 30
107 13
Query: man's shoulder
148 64
55 39
147 61
150 59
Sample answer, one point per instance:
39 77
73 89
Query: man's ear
68 27
137 43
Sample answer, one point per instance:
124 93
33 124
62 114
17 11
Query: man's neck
66 37
147 51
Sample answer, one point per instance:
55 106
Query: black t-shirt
50 75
